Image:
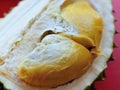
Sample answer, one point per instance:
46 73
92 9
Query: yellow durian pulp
74 57
58 69
85 19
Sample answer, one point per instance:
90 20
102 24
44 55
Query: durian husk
99 64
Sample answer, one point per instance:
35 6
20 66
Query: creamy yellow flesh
47 71
86 20
62 58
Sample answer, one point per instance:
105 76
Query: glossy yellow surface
85 19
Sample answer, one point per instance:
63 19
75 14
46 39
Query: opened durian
45 44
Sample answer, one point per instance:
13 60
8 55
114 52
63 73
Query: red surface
112 80
6 5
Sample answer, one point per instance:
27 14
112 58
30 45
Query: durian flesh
31 60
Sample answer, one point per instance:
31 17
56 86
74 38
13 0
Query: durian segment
98 65
55 61
25 74
85 19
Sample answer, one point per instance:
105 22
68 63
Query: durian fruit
46 44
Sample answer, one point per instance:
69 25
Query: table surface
112 79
